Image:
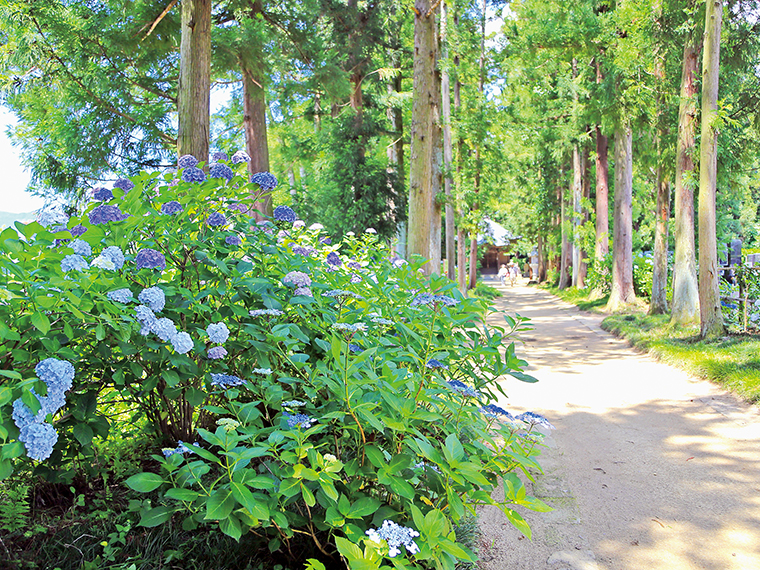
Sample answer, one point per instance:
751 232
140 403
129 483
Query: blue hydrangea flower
266 312
219 170
262 371
333 259
171 208
103 263
115 254
216 219
433 300
353 264
266 181
297 279
240 156
226 380
164 328
182 343
219 155
146 318
78 230
218 333
433 363
39 440
74 262
81 247
122 296
462 388
233 240
348 327
302 292
51 216
106 213
150 259
153 297
216 352
293 404
22 414
338 293
395 536
193 174
102 194
298 420
380 320
534 419
305 251
284 214
355 348
57 374
124 184
181 446
187 161
494 411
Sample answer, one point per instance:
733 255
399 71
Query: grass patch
483 291
578 297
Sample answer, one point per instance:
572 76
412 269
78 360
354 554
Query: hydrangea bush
303 390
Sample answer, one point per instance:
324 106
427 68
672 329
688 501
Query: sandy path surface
648 468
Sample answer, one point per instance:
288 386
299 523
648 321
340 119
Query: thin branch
432 9
158 20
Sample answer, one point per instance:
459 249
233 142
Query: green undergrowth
483 291
578 297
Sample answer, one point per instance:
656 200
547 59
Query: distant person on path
514 273
503 272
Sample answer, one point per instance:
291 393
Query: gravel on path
648 468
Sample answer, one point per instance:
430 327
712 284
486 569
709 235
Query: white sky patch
13 195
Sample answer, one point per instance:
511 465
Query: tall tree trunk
566 253
461 234
396 154
659 301
425 99
255 127
448 155
711 318
541 259
622 242
685 308
193 101
435 206
583 264
602 197
576 218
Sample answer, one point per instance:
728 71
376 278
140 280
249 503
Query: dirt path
648 468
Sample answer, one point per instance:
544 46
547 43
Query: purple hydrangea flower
325 241
463 389
298 224
122 296
219 170
187 161
114 254
303 292
73 263
298 420
153 297
218 333
182 342
305 251
333 259
240 156
353 264
226 380
150 259
216 219
266 181
106 213
297 279
81 247
233 240
193 174
355 278
216 352
102 194
124 184
171 208
78 230
219 155
285 214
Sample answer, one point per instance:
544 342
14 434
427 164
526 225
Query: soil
648 468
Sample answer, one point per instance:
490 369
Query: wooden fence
746 299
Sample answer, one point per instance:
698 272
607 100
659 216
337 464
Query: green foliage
14 506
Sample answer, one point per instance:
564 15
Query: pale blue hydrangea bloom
297 279
240 156
302 292
226 380
74 262
338 293
81 247
122 296
103 263
496 412
216 352
293 404
395 536
57 374
463 389
154 298
218 333
146 318
165 329
298 420
22 414
262 371
181 446
182 343
380 320
534 419
51 215
266 312
115 254
39 440
430 299
347 327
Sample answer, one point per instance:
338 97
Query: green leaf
231 527
31 401
145 482
155 517
83 433
456 550
6 469
308 496
375 456
517 521
349 550
41 322
244 496
179 494
6 394
363 507
219 505
12 374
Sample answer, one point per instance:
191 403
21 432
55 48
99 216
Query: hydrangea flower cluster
297 279
226 380
219 170
164 328
298 420
102 194
150 259
266 313
187 161
78 230
355 348
266 181
284 214
395 536
534 419
106 213
496 412
181 447
348 327
171 208
124 184
81 247
74 262
433 363
293 404
233 240
122 296
306 251
240 156
219 155
434 300
38 436
462 388
355 278
115 255
154 298
302 292
216 219
193 174
298 224
380 320
218 332
51 216
338 293
333 259
262 371
216 352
